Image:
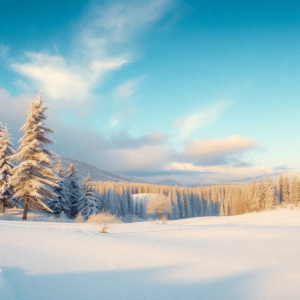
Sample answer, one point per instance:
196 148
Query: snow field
252 256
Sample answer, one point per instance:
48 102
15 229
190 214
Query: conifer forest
30 180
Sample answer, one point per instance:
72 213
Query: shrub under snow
106 219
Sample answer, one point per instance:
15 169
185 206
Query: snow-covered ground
252 256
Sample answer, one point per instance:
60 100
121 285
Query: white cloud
61 81
127 89
216 151
123 20
96 52
205 116
232 145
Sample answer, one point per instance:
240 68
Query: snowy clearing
251 256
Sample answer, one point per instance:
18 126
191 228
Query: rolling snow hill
247 257
96 174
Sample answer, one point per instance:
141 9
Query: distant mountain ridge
96 174
170 182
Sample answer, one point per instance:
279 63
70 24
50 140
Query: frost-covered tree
160 204
6 166
294 191
270 197
58 203
87 205
33 179
73 191
284 190
255 202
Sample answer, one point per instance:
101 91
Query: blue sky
194 91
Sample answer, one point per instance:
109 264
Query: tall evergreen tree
87 205
58 203
6 166
33 179
73 192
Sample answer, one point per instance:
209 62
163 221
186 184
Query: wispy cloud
119 22
62 81
127 89
216 151
205 116
100 46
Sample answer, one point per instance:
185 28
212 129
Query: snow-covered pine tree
73 191
6 166
33 179
88 202
174 200
270 197
58 203
123 204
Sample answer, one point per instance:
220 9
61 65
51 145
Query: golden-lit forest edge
29 180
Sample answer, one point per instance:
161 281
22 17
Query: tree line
29 179
223 199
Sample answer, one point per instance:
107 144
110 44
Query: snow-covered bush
106 219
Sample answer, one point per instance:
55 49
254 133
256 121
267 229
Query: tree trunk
160 215
2 206
25 210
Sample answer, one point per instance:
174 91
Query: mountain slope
96 174
170 182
